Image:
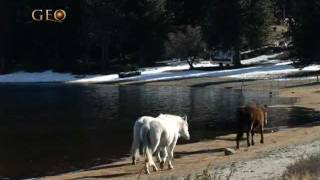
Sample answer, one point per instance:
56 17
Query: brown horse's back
252 113
250 118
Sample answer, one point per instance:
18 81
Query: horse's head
184 130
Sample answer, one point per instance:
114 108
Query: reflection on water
50 129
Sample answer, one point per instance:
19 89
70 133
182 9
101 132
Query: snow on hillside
261 59
263 68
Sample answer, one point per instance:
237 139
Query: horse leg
249 131
252 134
147 167
153 164
252 139
149 161
134 162
171 148
170 166
158 155
165 155
248 136
238 140
239 134
155 141
261 131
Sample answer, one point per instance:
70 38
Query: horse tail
241 121
136 140
144 139
239 134
145 145
141 152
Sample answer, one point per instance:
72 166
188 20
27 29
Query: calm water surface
50 129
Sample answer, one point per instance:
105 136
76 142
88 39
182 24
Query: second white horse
161 134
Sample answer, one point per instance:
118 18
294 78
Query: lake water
48 129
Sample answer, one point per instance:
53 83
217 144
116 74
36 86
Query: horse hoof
155 169
162 165
170 167
147 171
261 142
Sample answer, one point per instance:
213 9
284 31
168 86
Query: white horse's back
169 122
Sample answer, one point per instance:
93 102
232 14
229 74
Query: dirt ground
196 157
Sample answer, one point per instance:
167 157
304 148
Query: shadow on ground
102 176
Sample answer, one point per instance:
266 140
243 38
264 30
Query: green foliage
185 44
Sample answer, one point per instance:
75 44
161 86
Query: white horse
161 134
136 148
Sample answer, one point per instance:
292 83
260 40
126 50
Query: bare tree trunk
2 64
57 51
142 56
236 58
104 53
2 59
56 61
190 61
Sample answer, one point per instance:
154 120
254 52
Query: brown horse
251 118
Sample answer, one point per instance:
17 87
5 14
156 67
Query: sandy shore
268 165
267 160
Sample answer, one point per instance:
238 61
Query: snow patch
265 69
261 59
26 77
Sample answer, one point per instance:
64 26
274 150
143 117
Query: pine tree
148 25
256 18
223 28
306 28
239 23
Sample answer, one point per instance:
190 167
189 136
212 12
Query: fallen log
129 74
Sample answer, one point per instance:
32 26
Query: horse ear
185 118
265 107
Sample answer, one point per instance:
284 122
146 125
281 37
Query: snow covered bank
150 74
274 71
264 68
262 59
